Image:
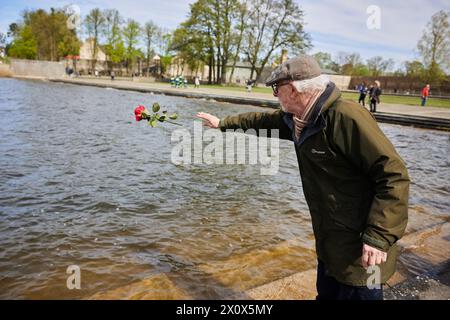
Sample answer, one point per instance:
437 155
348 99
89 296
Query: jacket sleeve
358 136
258 120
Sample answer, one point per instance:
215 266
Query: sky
334 25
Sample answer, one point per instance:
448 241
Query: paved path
433 112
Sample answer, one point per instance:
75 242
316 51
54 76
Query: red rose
138 113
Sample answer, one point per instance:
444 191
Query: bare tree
240 28
378 66
150 30
273 25
348 62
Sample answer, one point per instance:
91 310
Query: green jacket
355 183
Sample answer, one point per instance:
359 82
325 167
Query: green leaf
165 111
173 116
156 107
153 122
162 118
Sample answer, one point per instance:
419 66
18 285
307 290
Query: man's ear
293 93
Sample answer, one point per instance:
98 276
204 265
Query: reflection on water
82 183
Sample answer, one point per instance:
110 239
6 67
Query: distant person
425 94
249 85
96 73
185 81
196 82
113 74
362 88
374 94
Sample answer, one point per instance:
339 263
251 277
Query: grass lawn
413 101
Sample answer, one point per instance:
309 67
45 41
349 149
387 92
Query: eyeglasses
275 87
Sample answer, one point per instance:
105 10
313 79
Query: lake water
82 183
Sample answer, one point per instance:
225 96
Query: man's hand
372 256
209 120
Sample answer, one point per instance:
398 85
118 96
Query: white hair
317 83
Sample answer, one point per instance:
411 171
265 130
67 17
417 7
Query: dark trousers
424 101
330 289
362 98
373 105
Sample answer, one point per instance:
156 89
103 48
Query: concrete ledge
401 119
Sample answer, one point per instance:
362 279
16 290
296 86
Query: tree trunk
210 69
223 76
218 67
252 71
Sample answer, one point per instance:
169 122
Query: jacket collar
334 95
325 101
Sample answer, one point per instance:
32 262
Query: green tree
186 44
225 14
94 23
165 63
361 70
414 69
194 39
43 35
212 35
24 46
434 46
131 34
114 47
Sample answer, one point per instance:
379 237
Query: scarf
312 110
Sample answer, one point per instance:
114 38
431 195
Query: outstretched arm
250 120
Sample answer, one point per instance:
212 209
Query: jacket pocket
350 219
348 215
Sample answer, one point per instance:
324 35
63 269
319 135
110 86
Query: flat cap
301 67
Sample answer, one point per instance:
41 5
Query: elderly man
355 183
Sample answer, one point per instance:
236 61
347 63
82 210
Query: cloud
167 14
341 25
335 25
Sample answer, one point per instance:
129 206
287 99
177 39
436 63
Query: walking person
374 94
196 82
249 85
362 88
425 94
355 183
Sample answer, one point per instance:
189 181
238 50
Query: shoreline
424 244
426 118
